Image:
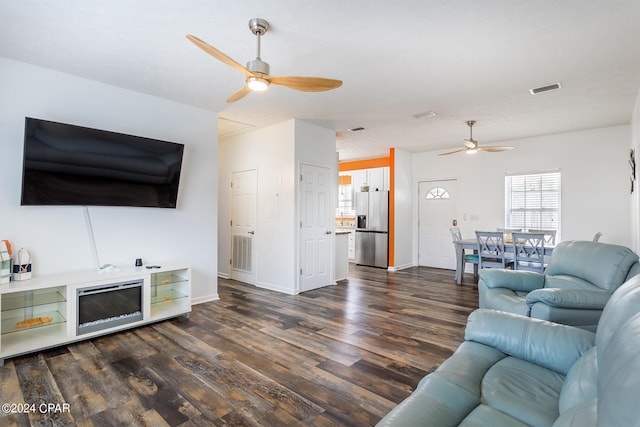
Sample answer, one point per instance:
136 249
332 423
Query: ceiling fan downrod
470 123
258 27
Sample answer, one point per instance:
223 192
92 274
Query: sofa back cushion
602 264
580 385
608 375
622 306
619 377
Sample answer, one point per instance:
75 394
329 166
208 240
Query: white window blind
532 201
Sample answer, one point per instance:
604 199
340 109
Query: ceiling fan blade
306 84
494 149
239 94
453 152
219 55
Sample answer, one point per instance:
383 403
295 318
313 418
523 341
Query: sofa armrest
552 345
525 281
569 298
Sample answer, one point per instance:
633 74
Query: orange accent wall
392 206
380 162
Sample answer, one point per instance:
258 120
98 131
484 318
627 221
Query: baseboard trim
204 299
399 267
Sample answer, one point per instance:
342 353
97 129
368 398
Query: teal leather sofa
576 285
513 370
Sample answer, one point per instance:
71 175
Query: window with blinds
532 201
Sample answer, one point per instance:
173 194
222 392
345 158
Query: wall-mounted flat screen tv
65 164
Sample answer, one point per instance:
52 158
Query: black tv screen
65 164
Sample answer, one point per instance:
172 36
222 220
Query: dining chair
528 249
491 250
466 258
508 233
549 235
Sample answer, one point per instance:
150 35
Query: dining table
472 244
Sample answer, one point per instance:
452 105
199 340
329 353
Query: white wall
404 199
635 199
595 181
276 152
57 236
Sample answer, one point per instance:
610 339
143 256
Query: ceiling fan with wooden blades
471 145
257 77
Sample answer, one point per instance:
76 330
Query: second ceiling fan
471 145
256 72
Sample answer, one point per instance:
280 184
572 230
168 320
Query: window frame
546 189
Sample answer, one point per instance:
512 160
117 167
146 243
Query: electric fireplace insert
106 306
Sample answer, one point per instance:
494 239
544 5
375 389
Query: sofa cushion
512 384
605 265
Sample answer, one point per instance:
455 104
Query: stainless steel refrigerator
372 228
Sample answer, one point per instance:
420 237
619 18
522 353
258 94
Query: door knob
252 232
327 232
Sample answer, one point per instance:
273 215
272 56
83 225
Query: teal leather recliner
576 285
513 370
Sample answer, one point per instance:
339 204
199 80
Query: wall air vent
547 88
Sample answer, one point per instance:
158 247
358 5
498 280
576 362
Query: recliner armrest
525 281
569 298
548 344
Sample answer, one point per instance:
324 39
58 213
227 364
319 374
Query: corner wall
404 200
276 152
57 236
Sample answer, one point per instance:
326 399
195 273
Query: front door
316 227
243 225
436 213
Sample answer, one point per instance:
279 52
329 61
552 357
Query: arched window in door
437 193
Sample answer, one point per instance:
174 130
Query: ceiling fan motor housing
258 66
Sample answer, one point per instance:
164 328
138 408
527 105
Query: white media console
50 311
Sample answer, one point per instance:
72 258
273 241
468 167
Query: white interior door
316 227
243 225
436 212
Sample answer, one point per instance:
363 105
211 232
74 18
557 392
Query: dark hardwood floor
338 356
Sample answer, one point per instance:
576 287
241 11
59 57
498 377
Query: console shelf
42 312
18 300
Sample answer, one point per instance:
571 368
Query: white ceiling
463 59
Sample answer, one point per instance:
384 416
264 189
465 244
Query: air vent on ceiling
426 115
547 88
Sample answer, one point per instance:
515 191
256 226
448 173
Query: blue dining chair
491 250
466 257
528 249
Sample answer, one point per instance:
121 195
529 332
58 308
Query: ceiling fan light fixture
257 84
471 151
